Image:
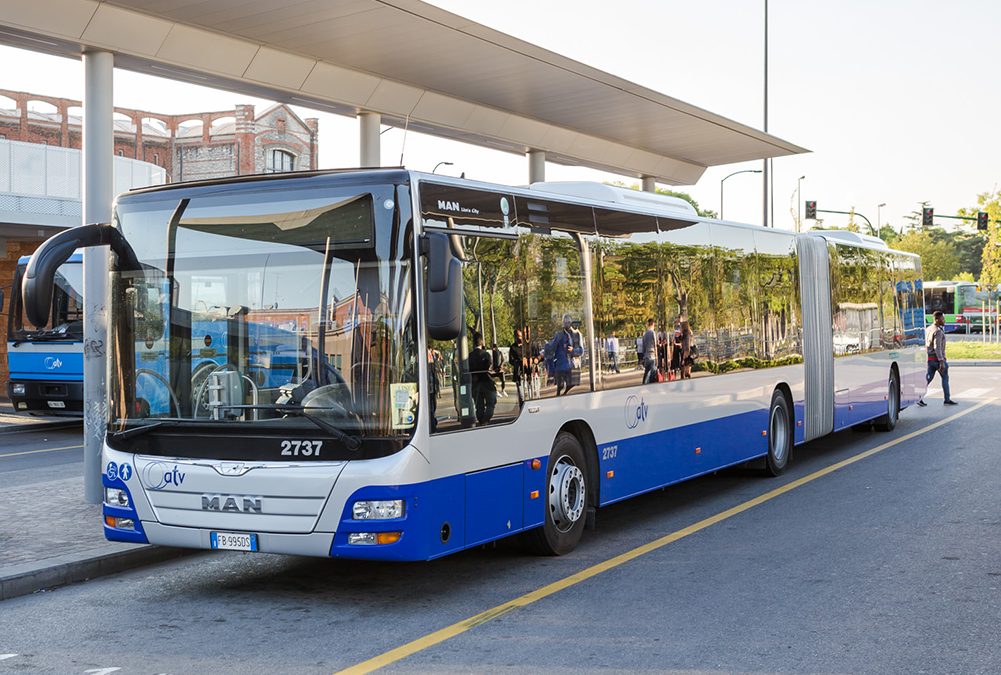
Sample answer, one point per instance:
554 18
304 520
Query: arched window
280 160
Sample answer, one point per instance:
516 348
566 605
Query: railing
47 180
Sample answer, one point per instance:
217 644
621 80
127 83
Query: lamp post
440 164
879 222
721 187
799 216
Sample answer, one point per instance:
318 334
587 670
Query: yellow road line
35 452
439 636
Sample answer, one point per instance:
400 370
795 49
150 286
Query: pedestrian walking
937 363
649 353
484 392
612 347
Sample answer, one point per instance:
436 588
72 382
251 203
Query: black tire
779 435
567 494
888 421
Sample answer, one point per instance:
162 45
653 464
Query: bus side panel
494 505
650 461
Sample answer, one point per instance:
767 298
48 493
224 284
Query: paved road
889 564
37 456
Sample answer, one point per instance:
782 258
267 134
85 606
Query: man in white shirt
935 346
612 347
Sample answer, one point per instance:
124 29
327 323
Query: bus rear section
46 363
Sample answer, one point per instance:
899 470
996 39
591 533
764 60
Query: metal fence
45 179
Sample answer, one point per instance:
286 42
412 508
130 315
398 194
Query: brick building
191 146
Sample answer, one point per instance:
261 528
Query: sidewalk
65 546
11 422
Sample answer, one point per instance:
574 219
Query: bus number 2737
301 448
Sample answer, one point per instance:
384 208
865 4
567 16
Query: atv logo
53 363
636 412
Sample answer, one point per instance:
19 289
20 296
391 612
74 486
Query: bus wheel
779 435
888 421
566 499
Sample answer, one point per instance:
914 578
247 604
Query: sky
895 99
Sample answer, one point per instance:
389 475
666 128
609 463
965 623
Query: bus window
777 307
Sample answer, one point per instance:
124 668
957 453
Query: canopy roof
414 63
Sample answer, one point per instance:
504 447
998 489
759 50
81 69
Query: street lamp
799 217
879 222
721 187
440 164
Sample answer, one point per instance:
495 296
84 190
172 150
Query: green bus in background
962 302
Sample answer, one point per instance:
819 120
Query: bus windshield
281 309
65 314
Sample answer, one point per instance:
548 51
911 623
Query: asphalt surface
30 457
890 564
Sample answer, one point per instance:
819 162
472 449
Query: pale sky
896 99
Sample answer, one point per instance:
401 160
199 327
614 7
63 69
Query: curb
29 578
974 363
40 426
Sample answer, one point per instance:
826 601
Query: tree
939 259
990 257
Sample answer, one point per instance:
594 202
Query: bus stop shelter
403 63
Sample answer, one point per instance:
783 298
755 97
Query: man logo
232 503
636 411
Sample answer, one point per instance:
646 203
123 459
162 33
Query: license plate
56 404
234 541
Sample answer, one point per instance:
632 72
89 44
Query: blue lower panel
449 514
493 504
644 463
136 536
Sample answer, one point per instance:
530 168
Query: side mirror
444 284
36 287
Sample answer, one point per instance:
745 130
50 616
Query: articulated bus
962 302
382 435
46 363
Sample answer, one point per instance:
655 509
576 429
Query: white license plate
56 404
234 541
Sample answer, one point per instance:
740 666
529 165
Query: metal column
536 166
369 150
649 184
98 194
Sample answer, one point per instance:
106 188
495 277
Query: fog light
17 389
116 497
377 509
365 538
372 538
119 523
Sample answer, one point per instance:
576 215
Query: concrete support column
649 184
536 166
98 194
369 150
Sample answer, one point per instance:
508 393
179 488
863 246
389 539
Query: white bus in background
383 442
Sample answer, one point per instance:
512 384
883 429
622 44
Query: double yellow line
439 636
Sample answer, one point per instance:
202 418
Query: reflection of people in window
687 358
484 393
566 347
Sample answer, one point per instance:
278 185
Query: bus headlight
120 523
383 509
18 389
116 497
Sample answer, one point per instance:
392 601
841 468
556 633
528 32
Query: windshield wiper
140 430
353 443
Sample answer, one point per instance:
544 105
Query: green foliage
990 257
939 258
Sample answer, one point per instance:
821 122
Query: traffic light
981 220
927 216
811 210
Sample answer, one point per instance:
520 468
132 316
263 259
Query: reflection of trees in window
855 299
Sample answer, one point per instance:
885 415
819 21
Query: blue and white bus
383 436
46 363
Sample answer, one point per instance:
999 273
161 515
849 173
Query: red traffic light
811 210
927 216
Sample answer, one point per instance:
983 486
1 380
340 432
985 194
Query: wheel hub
566 494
